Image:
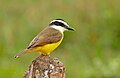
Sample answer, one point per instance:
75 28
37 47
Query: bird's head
61 25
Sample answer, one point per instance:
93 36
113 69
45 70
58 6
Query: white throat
62 29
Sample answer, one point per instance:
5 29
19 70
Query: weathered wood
45 67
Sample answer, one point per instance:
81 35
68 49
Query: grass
92 51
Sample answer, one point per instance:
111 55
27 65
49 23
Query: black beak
70 28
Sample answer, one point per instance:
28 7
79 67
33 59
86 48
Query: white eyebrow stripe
60 21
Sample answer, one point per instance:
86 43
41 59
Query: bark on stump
45 67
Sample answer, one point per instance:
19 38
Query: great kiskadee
48 39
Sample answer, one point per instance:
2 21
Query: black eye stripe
57 23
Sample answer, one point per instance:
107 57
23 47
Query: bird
48 39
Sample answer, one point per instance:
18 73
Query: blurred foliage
92 51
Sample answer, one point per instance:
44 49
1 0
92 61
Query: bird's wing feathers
47 36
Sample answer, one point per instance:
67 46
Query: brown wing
47 36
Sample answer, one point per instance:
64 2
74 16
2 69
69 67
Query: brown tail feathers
21 53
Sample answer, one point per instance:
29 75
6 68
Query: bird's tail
22 53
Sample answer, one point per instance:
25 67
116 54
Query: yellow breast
47 49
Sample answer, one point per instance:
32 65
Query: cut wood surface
45 67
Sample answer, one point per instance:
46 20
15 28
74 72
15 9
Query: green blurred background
92 51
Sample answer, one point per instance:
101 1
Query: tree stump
45 67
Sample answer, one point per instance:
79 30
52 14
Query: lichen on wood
45 67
